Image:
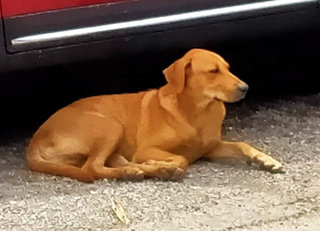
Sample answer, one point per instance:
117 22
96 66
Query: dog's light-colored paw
133 174
270 164
171 173
178 174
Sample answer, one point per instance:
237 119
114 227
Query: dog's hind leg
96 166
64 151
56 167
104 162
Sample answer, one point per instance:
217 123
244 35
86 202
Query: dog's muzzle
243 89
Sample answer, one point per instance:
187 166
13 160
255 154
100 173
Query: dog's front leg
159 163
246 152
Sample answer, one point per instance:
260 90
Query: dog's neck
187 104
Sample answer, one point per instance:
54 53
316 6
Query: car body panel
106 21
203 32
11 8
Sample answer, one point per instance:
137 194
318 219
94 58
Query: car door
70 21
45 26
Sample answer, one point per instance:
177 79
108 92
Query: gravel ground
214 196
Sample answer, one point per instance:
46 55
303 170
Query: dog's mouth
243 95
233 99
240 96
230 97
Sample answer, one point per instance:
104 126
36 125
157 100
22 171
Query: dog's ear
176 74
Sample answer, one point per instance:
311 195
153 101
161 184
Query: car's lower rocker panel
97 31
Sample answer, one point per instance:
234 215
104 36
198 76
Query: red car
47 32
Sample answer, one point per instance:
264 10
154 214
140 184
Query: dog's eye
214 70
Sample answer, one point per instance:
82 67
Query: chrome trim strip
193 15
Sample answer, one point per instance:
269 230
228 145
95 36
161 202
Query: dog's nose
243 88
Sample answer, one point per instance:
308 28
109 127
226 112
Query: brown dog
154 133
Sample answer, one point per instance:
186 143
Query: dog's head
207 74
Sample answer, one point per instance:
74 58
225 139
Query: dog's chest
201 139
207 127
195 147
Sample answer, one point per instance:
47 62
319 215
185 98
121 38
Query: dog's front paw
133 174
171 173
268 163
272 166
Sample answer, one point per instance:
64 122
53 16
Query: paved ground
213 196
